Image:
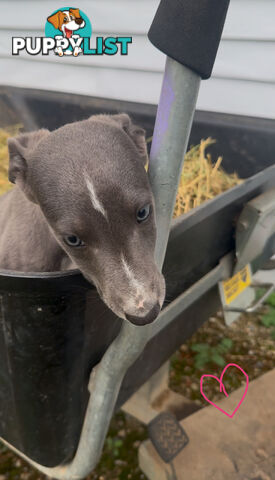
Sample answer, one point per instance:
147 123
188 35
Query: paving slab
224 448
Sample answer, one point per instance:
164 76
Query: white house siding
243 80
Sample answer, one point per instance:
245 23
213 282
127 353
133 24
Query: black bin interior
54 328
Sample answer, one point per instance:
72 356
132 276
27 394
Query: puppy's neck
26 242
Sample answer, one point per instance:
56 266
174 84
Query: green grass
268 319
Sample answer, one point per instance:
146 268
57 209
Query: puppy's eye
73 241
65 20
143 213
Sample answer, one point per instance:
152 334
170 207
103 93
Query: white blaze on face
131 276
95 200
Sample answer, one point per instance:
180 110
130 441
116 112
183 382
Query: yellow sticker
236 285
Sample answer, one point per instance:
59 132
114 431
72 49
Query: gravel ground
252 347
248 343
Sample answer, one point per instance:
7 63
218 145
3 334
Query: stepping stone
220 447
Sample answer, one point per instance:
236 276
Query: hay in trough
201 179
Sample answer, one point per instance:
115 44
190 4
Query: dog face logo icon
74 25
67 21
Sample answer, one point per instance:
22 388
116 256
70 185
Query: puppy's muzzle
78 21
149 318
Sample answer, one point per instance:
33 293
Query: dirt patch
248 342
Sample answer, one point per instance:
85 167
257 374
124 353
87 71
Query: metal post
171 134
173 123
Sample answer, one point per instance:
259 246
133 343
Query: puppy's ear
136 133
75 12
19 148
56 19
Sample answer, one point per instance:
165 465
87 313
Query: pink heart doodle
222 387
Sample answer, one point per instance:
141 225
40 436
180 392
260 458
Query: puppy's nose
79 20
149 318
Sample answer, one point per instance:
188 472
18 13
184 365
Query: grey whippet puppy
82 199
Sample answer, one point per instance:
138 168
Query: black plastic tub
54 328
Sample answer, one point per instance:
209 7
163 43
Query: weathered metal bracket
255 229
269 288
255 242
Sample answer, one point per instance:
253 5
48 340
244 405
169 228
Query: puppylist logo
68 31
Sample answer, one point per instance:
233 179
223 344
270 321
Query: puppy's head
89 180
67 21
